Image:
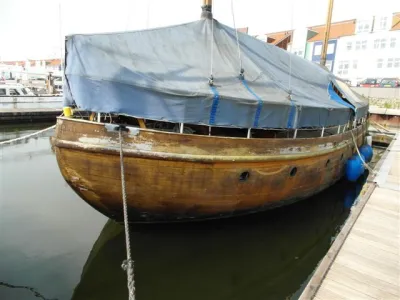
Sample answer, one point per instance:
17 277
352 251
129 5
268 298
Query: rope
127 264
27 136
290 54
211 79
359 154
237 40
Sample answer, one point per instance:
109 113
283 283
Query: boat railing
220 131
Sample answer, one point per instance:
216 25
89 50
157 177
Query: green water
54 246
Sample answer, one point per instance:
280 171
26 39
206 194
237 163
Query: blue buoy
354 167
366 150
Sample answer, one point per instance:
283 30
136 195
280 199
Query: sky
35 29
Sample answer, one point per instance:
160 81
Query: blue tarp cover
163 74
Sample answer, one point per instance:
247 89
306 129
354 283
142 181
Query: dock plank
366 265
371 242
343 291
346 272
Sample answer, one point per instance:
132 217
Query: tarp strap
259 106
292 114
214 106
335 97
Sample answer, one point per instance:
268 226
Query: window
397 62
390 63
376 43
343 68
331 49
328 65
317 50
392 42
364 45
358 45
383 23
2 92
355 63
14 92
362 26
349 46
379 63
24 91
383 43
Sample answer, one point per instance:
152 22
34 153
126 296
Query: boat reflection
265 256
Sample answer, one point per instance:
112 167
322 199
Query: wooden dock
19 115
364 260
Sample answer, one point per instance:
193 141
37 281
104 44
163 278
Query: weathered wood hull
175 177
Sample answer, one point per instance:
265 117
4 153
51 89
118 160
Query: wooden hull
176 177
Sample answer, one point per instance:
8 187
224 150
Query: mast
206 9
327 31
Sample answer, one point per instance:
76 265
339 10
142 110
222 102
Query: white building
357 48
373 51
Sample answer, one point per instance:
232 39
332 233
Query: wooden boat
179 167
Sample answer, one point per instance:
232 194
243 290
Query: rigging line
148 14
237 38
291 40
128 17
212 48
60 33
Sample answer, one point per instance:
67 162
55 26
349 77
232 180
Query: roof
338 29
48 62
243 30
276 37
395 21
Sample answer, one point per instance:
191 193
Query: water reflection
264 256
46 231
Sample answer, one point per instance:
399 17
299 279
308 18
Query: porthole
244 176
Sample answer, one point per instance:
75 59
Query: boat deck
364 260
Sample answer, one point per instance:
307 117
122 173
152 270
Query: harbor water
55 246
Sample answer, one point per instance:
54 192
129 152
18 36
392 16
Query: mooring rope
127 264
359 154
27 136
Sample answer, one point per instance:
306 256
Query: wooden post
327 31
141 123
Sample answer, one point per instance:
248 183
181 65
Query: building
337 31
22 68
357 48
372 51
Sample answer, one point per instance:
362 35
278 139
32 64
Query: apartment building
357 48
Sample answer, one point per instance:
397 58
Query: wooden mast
327 31
206 12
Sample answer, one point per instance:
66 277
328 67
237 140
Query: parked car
369 82
390 82
348 82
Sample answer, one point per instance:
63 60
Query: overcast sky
36 28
